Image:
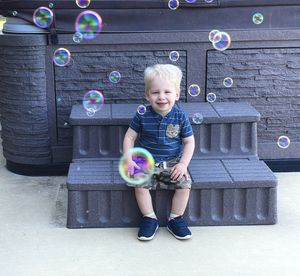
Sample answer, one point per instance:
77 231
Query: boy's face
162 96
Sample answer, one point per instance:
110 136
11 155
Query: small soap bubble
194 90
173 4
114 76
77 37
190 1
174 56
51 5
14 13
89 23
208 1
223 43
83 3
257 18
66 123
43 17
211 97
90 113
61 57
197 118
145 162
141 109
212 34
283 142
228 82
92 102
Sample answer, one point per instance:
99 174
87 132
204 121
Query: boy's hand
178 171
130 167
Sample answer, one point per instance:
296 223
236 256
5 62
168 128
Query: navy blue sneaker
178 227
148 229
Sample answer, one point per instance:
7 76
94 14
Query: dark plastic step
228 130
220 195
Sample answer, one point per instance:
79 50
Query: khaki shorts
161 178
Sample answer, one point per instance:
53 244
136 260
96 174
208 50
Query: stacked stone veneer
23 105
269 80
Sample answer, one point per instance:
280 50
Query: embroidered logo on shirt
172 131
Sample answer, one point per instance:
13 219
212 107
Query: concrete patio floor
34 240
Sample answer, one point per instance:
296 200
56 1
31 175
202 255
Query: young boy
165 131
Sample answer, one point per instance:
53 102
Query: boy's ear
177 96
146 96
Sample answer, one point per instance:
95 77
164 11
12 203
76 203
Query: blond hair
166 72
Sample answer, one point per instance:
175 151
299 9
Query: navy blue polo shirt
162 135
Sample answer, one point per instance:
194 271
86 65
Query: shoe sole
148 238
179 238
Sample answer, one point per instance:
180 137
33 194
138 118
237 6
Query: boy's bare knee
141 190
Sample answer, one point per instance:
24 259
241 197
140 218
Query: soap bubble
114 76
83 3
51 5
211 97
14 13
77 37
143 159
43 17
174 56
223 43
190 1
228 82
61 57
283 142
173 4
93 101
208 1
141 109
194 90
197 118
214 36
89 23
257 18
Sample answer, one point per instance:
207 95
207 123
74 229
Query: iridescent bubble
61 57
283 142
194 90
223 43
51 5
90 113
208 1
93 101
212 36
257 18
14 13
174 56
145 162
173 4
190 1
228 82
89 23
114 76
141 109
211 97
83 3
43 17
197 118
77 37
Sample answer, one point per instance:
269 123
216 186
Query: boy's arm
129 139
188 150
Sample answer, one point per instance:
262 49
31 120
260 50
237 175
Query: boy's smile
162 95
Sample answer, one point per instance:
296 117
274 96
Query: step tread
212 113
227 173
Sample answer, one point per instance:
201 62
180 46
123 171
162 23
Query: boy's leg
144 200
149 223
179 201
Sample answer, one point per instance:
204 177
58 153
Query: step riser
232 140
87 209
